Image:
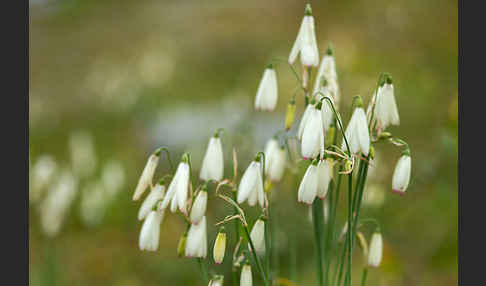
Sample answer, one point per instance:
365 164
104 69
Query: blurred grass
123 69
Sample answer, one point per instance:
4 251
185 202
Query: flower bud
246 278
401 175
199 207
376 250
181 246
290 114
219 246
147 175
257 236
362 243
267 93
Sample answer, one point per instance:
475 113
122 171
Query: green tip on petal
270 66
308 10
185 158
319 105
315 161
330 51
359 102
157 152
388 79
313 101
406 152
222 230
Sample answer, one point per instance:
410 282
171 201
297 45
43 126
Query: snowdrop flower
246 279
251 185
83 155
147 175
324 176
327 113
149 235
266 97
43 173
313 134
197 244
327 76
257 236
386 111
55 206
375 250
309 184
357 132
306 43
401 175
213 163
219 246
275 159
199 207
151 200
308 110
179 187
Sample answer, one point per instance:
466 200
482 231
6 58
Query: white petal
324 176
213 164
247 183
196 243
153 197
199 207
363 134
246 278
308 186
257 236
297 44
376 249
303 121
311 135
267 92
146 177
309 53
149 235
401 175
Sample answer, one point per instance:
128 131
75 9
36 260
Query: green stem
317 219
347 280
365 274
204 271
255 256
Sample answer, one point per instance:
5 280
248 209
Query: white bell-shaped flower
386 111
178 188
309 184
197 241
246 278
327 77
267 93
199 207
324 175
257 236
313 134
306 42
219 246
357 133
149 235
151 200
147 175
401 175
251 185
327 113
375 250
213 163
305 116
275 160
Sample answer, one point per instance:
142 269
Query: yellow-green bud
219 246
290 114
347 166
372 152
362 243
181 246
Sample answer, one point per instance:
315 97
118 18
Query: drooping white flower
246 278
197 241
83 156
313 134
213 163
267 92
151 200
257 236
327 77
147 175
149 235
324 175
275 159
306 42
309 184
386 111
357 133
375 250
42 174
178 188
219 246
305 116
198 209
401 175
55 205
326 111
251 185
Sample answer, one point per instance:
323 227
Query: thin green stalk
365 275
317 219
255 256
235 277
347 280
268 247
204 271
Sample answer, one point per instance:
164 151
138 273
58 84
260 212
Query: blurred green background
126 77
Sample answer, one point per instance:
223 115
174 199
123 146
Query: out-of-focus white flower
179 187
306 42
113 177
313 134
83 156
375 250
213 163
198 209
324 176
327 77
197 243
357 133
246 278
147 175
94 200
219 246
275 160
251 185
309 184
401 175
267 93
257 236
149 235
151 200
55 206
42 175
386 111
373 196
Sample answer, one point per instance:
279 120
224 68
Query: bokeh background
110 81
